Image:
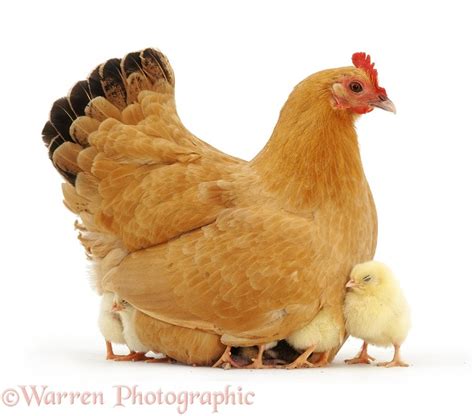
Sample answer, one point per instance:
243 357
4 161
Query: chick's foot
362 358
110 352
393 363
396 361
302 360
133 356
257 363
226 361
322 361
166 360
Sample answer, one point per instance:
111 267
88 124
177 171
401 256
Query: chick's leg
226 361
302 360
258 362
362 358
115 357
133 356
396 360
322 361
110 352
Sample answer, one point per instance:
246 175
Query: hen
211 250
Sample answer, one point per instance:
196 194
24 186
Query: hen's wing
228 277
134 174
142 183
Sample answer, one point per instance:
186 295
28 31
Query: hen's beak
116 307
351 283
384 103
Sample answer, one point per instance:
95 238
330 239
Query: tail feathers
109 89
65 159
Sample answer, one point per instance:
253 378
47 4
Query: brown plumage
211 248
188 346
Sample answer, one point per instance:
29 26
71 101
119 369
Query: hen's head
358 90
353 89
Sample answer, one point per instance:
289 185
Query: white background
235 63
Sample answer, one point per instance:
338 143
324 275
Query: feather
81 127
65 158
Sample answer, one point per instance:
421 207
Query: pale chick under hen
321 335
137 348
376 311
110 325
127 315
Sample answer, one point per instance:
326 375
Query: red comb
362 60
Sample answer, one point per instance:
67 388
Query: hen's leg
302 360
226 361
396 360
362 358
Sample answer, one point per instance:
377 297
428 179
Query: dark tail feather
118 80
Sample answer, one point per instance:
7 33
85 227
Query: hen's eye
367 278
355 86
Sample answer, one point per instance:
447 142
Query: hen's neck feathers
313 153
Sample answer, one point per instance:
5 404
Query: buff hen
208 247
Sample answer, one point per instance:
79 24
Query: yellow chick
376 311
138 350
321 335
110 325
127 314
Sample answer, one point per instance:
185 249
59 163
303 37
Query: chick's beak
384 103
351 283
116 307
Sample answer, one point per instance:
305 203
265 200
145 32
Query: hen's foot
362 358
226 361
302 360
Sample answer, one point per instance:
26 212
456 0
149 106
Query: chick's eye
367 278
355 86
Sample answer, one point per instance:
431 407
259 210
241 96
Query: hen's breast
346 234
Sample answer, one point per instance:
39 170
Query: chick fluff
376 311
127 315
322 334
110 325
